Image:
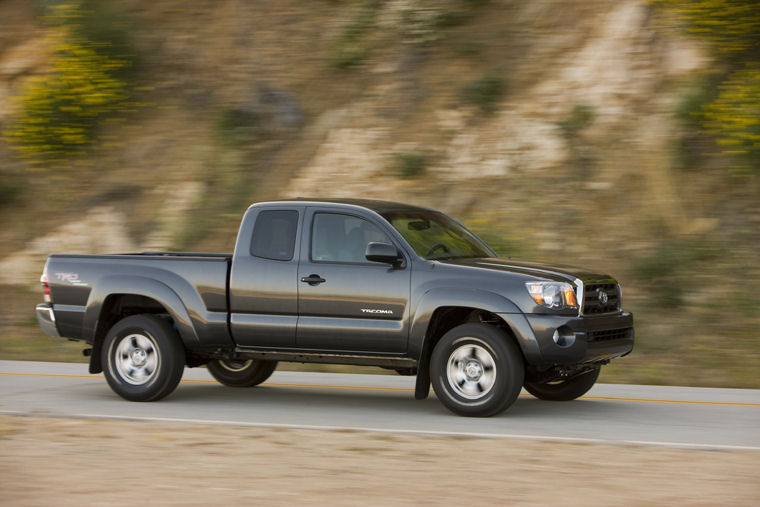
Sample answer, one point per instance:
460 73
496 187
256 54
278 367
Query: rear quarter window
274 235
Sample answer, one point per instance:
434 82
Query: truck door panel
347 303
263 290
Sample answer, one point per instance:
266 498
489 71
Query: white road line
544 438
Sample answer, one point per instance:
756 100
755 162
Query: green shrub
350 48
483 92
667 268
580 117
583 155
237 126
60 110
409 164
427 21
692 143
107 30
9 191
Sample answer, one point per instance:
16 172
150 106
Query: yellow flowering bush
731 28
733 118
59 110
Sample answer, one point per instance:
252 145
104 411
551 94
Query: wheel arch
117 297
440 310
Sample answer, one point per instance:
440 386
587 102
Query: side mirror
382 252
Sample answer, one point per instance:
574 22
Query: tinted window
274 235
342 238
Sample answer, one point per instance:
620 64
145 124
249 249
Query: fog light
564 337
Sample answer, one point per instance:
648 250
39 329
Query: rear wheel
564 390
476 370
241 373
143 357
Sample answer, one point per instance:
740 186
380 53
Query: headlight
555 295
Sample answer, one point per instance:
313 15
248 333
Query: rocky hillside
554 129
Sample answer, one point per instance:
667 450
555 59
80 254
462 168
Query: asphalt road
609 413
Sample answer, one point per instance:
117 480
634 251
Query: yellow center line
407 389
684 402
60 375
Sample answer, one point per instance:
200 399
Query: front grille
608 335
592 305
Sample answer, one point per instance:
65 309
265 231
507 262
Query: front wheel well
448 317
442 321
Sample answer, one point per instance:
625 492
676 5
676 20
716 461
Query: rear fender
139 286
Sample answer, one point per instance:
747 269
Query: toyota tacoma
343 281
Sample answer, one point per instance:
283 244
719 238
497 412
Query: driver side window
336 237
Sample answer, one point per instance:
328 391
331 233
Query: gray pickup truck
342 281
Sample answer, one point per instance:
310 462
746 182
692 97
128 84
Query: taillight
46 286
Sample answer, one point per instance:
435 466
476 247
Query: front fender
468 298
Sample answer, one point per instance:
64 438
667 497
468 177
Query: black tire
143 358
564 390
246 373
460 366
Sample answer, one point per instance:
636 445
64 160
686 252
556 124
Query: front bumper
46 319
586 339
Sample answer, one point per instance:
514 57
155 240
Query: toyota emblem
602 296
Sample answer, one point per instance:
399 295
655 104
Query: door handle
313 279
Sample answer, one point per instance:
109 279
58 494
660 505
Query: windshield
433 235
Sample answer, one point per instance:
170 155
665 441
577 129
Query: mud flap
422 386
96 365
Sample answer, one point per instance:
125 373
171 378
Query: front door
345 302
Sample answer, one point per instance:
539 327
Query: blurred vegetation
579 118
582 154
11 187
423 22
416 22
484 92
409 164
694 144
503 241
731 27
350 48
733 118
60 110
238 126
666 270
728 109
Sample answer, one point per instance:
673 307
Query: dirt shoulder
58 461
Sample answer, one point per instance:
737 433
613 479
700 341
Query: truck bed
199 280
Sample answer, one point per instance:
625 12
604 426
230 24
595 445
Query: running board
307 357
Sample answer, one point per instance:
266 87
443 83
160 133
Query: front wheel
564 390
476 370
143 357
246 373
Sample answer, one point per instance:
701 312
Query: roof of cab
379 207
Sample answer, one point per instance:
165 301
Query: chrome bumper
46 319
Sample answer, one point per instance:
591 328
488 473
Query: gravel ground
57 461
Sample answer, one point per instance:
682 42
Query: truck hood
536 269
